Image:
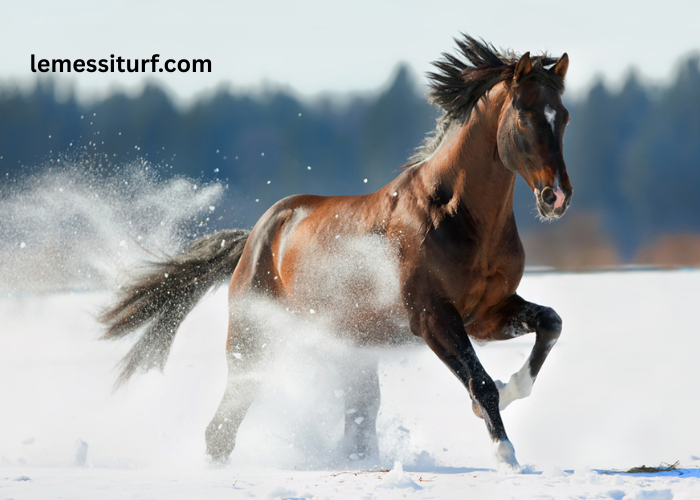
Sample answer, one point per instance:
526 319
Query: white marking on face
550 115
559 193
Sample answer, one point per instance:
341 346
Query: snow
617 391
397 478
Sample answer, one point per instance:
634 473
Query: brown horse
443 233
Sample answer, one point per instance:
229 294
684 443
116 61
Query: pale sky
312 46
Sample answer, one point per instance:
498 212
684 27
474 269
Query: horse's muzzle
553 202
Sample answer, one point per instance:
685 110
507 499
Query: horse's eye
523 122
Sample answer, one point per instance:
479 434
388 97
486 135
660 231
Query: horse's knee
549 324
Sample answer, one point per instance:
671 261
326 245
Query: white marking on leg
519 386
550 115
504 453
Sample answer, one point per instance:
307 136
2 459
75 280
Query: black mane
462 80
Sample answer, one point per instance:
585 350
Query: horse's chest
484 283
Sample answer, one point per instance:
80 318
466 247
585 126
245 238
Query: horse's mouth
547 213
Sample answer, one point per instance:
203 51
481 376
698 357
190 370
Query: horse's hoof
505 458
477 410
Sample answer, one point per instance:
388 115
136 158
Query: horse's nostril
548 196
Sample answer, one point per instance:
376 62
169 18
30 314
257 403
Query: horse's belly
375 327
355 286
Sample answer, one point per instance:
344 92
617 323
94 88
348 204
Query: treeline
633 155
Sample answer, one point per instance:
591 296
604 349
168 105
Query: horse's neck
468 163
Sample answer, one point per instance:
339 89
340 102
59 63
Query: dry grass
663 467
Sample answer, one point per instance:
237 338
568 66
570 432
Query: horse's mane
462 80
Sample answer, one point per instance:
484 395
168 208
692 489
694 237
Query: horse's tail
166 293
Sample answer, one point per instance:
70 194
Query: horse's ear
562 65
523 67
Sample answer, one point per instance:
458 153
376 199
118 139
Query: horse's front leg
441 326
513 318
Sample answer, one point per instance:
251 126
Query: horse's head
531 132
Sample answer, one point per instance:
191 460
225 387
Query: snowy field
619 390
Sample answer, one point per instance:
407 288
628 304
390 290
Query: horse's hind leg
221 431
515 318
362 398
244 354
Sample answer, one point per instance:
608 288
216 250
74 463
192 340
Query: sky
322 46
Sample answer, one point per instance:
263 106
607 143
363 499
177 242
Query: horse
444 228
